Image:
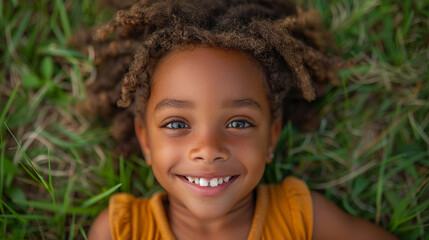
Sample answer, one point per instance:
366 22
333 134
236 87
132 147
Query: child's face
208 117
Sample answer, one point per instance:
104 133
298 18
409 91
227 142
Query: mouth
212 182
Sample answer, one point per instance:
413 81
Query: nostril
220 158
209 157
209 148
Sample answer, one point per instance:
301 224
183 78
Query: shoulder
293 194
290 208
295 185
119 207
330 222
296 192
100 228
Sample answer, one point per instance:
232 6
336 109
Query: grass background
370 154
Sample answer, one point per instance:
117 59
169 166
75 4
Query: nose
209 146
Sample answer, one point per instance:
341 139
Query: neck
235 224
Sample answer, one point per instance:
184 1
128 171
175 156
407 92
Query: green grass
370 154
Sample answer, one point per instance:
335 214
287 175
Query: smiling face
207 122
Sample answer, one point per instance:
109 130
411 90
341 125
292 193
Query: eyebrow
239 103
173 103
243 103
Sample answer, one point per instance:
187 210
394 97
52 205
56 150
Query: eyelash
246 123
170 125
177 124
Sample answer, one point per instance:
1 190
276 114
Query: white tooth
226 179
203 182
220 181
190 179
197 181
213 182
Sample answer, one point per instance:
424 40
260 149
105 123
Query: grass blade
100 196
24 155
15 214
63 16
6 108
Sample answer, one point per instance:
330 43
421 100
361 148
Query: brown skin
207 93
208 90
100 228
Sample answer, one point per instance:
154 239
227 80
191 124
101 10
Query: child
206 84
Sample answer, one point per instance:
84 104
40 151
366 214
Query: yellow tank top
282 211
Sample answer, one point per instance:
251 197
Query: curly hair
290 45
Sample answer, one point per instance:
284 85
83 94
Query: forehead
208 69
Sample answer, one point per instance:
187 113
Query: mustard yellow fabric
283 211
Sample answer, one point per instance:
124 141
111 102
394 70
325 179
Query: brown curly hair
290 45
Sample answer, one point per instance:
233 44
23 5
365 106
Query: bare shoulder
330 222
100 228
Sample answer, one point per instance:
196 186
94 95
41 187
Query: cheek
260 141
251 151
167 150
165 156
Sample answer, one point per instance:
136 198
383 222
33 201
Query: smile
214 182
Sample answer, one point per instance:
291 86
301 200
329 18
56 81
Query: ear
275 129
142 137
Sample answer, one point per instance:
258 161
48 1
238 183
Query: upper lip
208 176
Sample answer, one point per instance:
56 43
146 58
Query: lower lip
208 191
